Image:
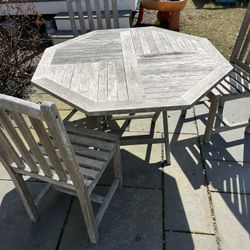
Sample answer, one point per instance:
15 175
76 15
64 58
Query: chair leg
211 118
25 196
88 215
156 115
183 113
166 138
117 165
248 127
140 16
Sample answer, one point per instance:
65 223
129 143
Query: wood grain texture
71 160
132 70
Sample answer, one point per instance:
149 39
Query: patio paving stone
233 112
188 241
141 165
16 229
132 221
232 217
3 173
40 97
228 176
175 123
232 145
185 195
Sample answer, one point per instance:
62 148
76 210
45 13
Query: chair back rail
25 129
241 51
93 9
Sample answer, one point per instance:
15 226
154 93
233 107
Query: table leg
166 138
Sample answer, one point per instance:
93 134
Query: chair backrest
93 17
36 142
241 51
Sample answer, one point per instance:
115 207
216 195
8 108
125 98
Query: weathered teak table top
131 70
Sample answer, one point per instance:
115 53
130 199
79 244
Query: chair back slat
62 142
93 10
248 58
81 20
49 149
98 14
240 54
9 149
29 138
89 13
4 119
72 17
115 13
107 13
37 142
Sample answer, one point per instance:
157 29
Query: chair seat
93 154
236 83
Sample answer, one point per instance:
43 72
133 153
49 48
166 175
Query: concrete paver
188 241
16 229
136 217
177 123
230 177
186 201
232 218
132 221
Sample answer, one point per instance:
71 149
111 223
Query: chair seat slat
107 146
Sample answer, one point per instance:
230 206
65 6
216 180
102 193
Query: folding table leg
166 138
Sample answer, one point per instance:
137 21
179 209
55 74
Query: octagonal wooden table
133 70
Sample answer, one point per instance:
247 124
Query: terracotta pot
163 5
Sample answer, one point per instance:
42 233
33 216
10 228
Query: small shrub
20 42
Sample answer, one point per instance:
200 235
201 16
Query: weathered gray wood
240 39
166 138
18 141
90 14
248 126
98 14
117 166
72 17
80 16
235 85
90 7
211 118
107 13
8 148
106 201
44 139
24 129
70 169
115 13
29 108
22 191
42 194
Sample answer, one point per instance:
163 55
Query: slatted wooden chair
234 86
110 13
71 160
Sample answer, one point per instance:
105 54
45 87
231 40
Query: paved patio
201 201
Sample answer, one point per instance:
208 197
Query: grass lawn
219 23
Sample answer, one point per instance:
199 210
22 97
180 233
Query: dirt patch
218 23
